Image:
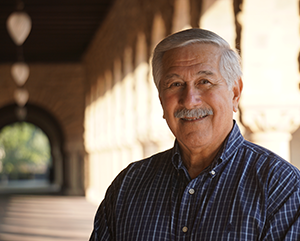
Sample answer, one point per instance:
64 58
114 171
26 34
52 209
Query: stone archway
49 125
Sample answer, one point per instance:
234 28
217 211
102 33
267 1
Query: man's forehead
187 55
207 72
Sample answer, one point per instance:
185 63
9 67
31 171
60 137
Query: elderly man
213 184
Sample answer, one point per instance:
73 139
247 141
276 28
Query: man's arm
284 203
101 228
294 231
105 218
92 237
285 225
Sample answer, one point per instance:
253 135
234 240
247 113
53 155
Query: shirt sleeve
284 203
101 224
105 218
294 231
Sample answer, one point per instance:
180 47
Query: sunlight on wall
223 24
270 48
124 118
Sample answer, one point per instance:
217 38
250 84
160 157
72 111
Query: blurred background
78 102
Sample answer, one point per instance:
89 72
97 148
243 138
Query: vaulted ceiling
61 29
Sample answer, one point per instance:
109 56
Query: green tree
24 149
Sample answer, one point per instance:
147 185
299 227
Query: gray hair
230 64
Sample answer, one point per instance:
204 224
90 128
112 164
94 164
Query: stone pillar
159 135
57 172
295 150
74 169
270 47
219 18
181 18
272 127
274 140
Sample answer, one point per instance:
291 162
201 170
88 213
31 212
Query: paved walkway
45 218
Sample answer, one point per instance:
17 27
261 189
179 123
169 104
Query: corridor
45 218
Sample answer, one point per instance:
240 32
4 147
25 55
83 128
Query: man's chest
205 209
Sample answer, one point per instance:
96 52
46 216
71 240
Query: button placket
185 209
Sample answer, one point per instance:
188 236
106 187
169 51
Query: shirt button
191 191
213 172
184 229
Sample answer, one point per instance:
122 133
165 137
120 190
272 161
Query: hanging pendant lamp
21 96
19 26
20 73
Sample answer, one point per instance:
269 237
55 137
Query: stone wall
123 119
59 90
108 106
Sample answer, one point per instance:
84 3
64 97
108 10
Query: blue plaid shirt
247 193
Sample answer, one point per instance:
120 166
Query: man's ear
237 91
161 105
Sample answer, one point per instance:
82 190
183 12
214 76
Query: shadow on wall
294 148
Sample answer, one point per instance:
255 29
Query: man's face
191 79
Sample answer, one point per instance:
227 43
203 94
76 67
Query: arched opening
25 156
39 119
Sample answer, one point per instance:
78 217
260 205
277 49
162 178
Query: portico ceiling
61 29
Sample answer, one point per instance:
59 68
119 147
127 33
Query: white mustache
193 113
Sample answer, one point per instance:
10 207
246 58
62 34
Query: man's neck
197 160
195 164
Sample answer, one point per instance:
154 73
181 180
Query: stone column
270 47
74 169
159 136
57 172
219 18
272 127
181 18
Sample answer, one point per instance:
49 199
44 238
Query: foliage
24 148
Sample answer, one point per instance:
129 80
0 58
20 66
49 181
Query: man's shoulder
144 168
266 160
153 161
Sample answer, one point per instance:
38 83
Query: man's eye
204 81
175 84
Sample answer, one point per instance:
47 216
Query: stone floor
45 218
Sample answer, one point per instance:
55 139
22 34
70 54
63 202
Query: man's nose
190 97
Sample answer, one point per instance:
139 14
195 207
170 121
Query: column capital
272 118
